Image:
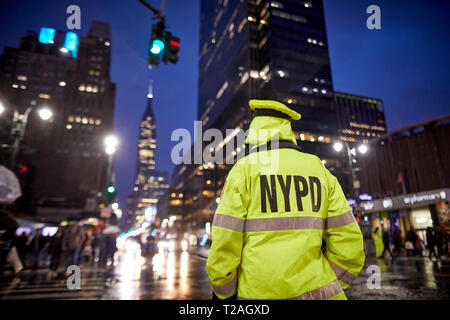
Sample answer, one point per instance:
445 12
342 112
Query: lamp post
111 143
351 154
20 122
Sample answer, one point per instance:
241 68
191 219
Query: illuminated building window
81 87
254 74
22 78
15 86
241 26
288 16
222 90
84 120
44 96
62 84
307 4
23 87
98 122
70 119
276 4
244 77
69 126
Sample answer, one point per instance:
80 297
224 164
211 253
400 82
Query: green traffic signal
111 189
157 46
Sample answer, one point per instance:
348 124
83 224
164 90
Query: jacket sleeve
343 237
227 237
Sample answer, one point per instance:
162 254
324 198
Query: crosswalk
35 284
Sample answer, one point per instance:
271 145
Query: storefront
419 210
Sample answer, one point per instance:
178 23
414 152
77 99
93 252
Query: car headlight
171 245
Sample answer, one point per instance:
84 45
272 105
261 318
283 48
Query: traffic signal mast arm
158 13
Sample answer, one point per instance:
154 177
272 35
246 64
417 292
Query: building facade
71 76
360 119
408 175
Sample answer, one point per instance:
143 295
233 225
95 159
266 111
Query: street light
338 146
111 143
19 126
363 148
45 113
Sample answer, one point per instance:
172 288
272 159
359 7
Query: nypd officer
268 228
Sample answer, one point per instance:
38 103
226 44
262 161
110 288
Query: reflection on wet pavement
182 275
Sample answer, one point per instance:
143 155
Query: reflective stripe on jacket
276 207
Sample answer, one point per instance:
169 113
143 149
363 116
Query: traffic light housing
156 44
108 195
171 48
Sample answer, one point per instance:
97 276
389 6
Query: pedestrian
21 242
378 240
411 242
397 242
386 244
36 246
110 236
8 227
431 242
87 250
276 206
71 244
442 241
55 250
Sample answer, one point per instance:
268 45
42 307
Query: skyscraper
259 49
70 75
269 50
149 184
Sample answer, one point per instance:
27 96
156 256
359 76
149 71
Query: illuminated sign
406 201
367 205
351 202
71 43
365 196
425 197
47 35
150 213
387 203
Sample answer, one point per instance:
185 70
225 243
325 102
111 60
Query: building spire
150 90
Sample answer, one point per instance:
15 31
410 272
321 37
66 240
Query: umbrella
9 186
111 230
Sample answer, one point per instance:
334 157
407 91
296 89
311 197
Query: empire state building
150 183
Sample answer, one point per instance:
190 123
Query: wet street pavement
182 275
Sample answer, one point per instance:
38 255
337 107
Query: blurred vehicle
173 245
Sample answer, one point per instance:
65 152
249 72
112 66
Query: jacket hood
265 128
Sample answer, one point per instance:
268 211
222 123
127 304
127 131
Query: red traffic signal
23 169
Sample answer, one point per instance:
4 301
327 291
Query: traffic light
111 189
25 174
172 46
108 195
156 44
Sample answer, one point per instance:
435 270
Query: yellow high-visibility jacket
378 240
276 207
